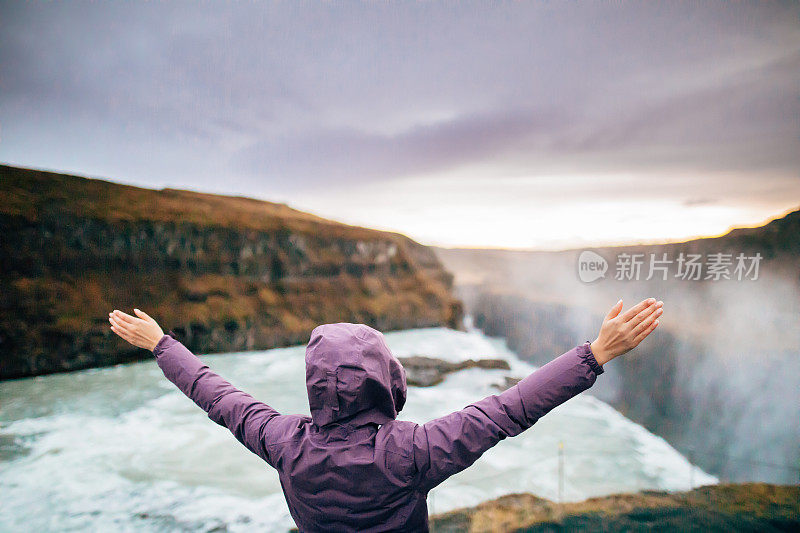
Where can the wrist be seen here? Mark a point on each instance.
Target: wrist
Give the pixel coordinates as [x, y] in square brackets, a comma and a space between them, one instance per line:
[154, 343]
[600, 354]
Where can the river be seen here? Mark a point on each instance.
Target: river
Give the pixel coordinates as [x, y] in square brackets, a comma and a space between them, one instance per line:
[121, 449]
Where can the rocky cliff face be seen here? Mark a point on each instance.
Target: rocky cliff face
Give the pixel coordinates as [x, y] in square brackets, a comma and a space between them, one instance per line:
[226, 274]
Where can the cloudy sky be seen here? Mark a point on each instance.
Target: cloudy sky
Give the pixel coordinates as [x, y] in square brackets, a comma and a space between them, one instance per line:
[525, 124]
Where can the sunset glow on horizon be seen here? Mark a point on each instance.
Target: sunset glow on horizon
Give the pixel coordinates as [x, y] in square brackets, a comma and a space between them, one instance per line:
[435, 212]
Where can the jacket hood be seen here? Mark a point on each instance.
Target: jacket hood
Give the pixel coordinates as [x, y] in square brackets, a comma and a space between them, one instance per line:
[352, 376]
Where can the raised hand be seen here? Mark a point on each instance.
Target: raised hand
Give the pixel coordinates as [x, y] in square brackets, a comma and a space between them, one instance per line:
[622, 332]
[143, 332]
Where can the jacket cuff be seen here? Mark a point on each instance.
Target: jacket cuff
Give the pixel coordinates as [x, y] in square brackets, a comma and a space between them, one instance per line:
[585, 353]
[166, 341]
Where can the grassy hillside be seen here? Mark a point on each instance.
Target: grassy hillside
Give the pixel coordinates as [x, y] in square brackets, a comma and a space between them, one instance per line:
[35, 195]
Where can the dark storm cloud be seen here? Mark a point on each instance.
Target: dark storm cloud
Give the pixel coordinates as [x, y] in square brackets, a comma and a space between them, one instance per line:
[282, 96]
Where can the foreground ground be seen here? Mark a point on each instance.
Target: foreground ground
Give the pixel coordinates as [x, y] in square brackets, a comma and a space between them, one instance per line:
[725, 507]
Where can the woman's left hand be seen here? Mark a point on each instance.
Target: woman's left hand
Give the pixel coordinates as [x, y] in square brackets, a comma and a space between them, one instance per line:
[143, 332]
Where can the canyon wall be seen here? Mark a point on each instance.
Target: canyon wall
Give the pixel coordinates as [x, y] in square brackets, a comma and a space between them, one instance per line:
[225, 274]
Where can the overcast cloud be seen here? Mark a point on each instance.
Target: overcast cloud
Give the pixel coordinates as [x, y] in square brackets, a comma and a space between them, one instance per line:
[345, 108]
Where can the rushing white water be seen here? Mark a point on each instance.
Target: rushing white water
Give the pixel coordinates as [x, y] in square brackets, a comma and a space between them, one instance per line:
[121, 449]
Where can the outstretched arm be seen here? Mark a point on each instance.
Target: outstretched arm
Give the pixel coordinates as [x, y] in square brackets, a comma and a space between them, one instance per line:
[449, 444]
[248, 419]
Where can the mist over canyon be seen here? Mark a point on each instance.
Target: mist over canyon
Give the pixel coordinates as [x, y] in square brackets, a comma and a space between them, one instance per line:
[719, 379]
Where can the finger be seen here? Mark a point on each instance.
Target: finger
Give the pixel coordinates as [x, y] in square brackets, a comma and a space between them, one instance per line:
[124, 317]
[141, 314]
[636, 309]
[115, 322]
[614, 310]
[122, 326]
[116, 331]
[647, 331]
[641, 336]
[647, 321]
[121, 333]
[131, 338]
[642, 315]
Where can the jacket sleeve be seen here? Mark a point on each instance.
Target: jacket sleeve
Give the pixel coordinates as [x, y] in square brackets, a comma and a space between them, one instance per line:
[249, 420]
[447, 445]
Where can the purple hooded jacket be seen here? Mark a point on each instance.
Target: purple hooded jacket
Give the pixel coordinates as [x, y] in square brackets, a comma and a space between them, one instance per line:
[351, 466]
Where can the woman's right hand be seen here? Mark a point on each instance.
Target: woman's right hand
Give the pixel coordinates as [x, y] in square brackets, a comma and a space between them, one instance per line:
[622, 332]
